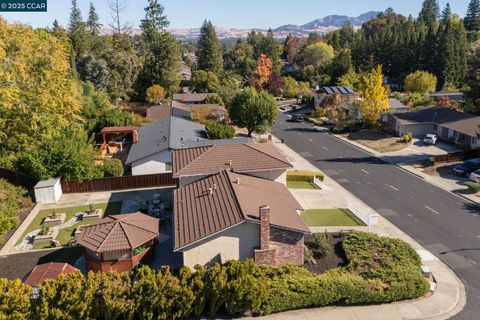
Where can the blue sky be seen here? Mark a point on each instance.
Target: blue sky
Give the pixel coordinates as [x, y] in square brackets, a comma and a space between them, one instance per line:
[230, 13]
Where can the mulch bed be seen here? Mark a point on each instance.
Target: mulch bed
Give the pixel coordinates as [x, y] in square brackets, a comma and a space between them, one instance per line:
[334, 259]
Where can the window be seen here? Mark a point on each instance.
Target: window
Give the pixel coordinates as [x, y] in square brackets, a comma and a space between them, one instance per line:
[435, 127]
[474, 140]
[168, 166]
[455, 134]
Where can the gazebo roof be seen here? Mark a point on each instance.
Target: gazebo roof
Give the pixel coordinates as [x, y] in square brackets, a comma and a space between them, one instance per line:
[47, 271]
[119, 232]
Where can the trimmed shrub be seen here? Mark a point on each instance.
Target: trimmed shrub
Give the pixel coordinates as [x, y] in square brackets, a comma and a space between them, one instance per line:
[217, 130]
[113, 168]
[304, 176]
[473, 187]
[407, 138]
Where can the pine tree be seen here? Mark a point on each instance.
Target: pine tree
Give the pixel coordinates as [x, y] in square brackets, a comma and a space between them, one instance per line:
[472, 18]
[77, 31]
[446, 13]
[93, 23]
[429, 13]
[154, 18]
[209, 50]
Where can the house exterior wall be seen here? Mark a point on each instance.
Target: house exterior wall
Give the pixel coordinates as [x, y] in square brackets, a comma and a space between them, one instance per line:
[236, 243]
[155, 163]
[418, 130]
[123, 265]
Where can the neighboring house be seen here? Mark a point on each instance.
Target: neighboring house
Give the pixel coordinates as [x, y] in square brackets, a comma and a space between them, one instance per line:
[153, 151]
[261, 160]
[391, 83]
[191, 98]
[119, 242]
[164, 111]
[218, 112]
[449, 124]
[230, 216]
[347, 95]
[452, 95]
[185, 72]
[395, 106]
[48, 271]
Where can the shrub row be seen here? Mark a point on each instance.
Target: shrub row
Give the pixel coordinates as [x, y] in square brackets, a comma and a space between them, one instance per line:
[217, 130]
[474, 187]
[304, 176]
[387, 271]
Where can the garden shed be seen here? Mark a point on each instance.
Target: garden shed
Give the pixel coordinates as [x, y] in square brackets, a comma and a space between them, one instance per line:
[48, 191]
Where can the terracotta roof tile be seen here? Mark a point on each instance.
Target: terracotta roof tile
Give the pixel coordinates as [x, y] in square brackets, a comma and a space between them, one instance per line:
[119, 232]
[217, 202]
[47, 271]
[237, 157]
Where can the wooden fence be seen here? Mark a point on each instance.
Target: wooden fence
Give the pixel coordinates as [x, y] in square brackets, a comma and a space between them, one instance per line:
[450, 157]
[18, 179]
[120, 183]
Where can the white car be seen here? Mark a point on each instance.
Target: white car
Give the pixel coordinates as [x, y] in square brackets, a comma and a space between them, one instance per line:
[430, 138]
[475, 176]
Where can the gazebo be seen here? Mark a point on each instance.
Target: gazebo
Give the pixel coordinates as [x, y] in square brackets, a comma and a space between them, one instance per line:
[118, 133]
[119, 242]
[47, 271]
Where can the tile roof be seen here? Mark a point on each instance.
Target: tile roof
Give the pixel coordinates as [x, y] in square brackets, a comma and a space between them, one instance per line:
[119, 232]
[188, 107]
[47, 271]
[166, 111]
[236, 157]
[199, 213]
[460, 121]
[190, 97]
[164, 134]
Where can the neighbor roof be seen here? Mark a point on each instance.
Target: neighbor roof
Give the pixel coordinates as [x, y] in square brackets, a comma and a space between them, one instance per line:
[165, 111]
[394, 104]
[190, 97]
[460, 121]
[119, 232]
[47, 271]
[124, 129]
[186, 107]
[338, 89]
[164, 134]
[240, 158]
[199, 214]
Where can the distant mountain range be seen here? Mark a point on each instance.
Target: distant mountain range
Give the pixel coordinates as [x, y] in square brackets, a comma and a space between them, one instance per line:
[321, 25]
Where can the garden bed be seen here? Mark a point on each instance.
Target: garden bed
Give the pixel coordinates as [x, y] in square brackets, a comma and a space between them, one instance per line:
[331, 218]
[380, 142]
[334, 258]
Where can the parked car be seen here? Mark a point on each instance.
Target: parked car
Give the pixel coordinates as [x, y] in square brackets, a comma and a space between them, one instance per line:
[430, 138]
[467, 167]
[297, 118]
[475, 176]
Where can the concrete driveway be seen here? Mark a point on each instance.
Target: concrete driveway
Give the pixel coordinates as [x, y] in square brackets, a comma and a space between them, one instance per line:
[418, 151]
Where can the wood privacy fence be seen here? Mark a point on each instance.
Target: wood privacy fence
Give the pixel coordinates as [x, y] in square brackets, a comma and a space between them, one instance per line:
[18, 179]
[120, 183]
[450, 157]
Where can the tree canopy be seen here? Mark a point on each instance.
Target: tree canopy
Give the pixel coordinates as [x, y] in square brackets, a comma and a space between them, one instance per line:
[209, 50]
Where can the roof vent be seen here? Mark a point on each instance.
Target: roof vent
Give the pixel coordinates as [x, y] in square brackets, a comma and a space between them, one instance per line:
[237, 181]
[229, 162]
[214, 186]
[210, 191]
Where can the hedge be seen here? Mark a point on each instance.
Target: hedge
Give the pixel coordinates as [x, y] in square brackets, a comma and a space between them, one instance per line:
[474, 187]
[304, 176]
[380, 270]
[217, 130]
[12, 200]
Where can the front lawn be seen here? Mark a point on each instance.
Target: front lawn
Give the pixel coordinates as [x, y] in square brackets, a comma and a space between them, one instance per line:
[380, 142]
[301, 185]
[330, 218]
[65, 235]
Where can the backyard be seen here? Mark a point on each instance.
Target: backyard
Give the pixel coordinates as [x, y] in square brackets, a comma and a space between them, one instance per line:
[380, 142]
[67, 234]
[330, 218]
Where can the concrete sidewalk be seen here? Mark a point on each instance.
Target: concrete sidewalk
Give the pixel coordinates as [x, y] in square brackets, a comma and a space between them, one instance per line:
[447, 300]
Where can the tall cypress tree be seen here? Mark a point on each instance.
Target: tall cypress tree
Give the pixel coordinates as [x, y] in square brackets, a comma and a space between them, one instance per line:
[93, 23]
[472, 18]
[429, 13]
[446, 13]
[209, 50]
[77, 31]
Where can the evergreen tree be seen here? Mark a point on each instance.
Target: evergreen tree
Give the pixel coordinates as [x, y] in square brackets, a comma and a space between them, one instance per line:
[77, 31]
[429, 13]
[209, 50]
[446, 13]
[341, 64]
[93, 23]
[162, 53]
[472, 18]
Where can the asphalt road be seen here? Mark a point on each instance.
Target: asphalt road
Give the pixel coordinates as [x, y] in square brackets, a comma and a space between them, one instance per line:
[445, 224]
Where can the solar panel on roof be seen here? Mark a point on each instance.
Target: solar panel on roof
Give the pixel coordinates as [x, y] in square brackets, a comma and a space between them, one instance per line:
[342, 90]
[335, 89]
[328, 89]
[349, 90]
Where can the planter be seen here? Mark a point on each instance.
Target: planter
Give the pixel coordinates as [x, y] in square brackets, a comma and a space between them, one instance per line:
[46, 237]
[96, 214]
[55, 220]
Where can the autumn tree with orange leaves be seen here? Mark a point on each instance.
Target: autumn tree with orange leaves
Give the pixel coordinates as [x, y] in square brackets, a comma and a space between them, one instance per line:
[262, 72]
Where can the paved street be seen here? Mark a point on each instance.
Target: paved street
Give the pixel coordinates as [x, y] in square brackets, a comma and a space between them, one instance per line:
[445, 224]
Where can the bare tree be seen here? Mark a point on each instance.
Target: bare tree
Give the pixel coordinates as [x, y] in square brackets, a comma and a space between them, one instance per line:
[117, 7]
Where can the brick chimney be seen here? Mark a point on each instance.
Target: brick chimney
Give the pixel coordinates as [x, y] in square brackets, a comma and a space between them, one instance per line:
[135, 136]
[264, 227]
